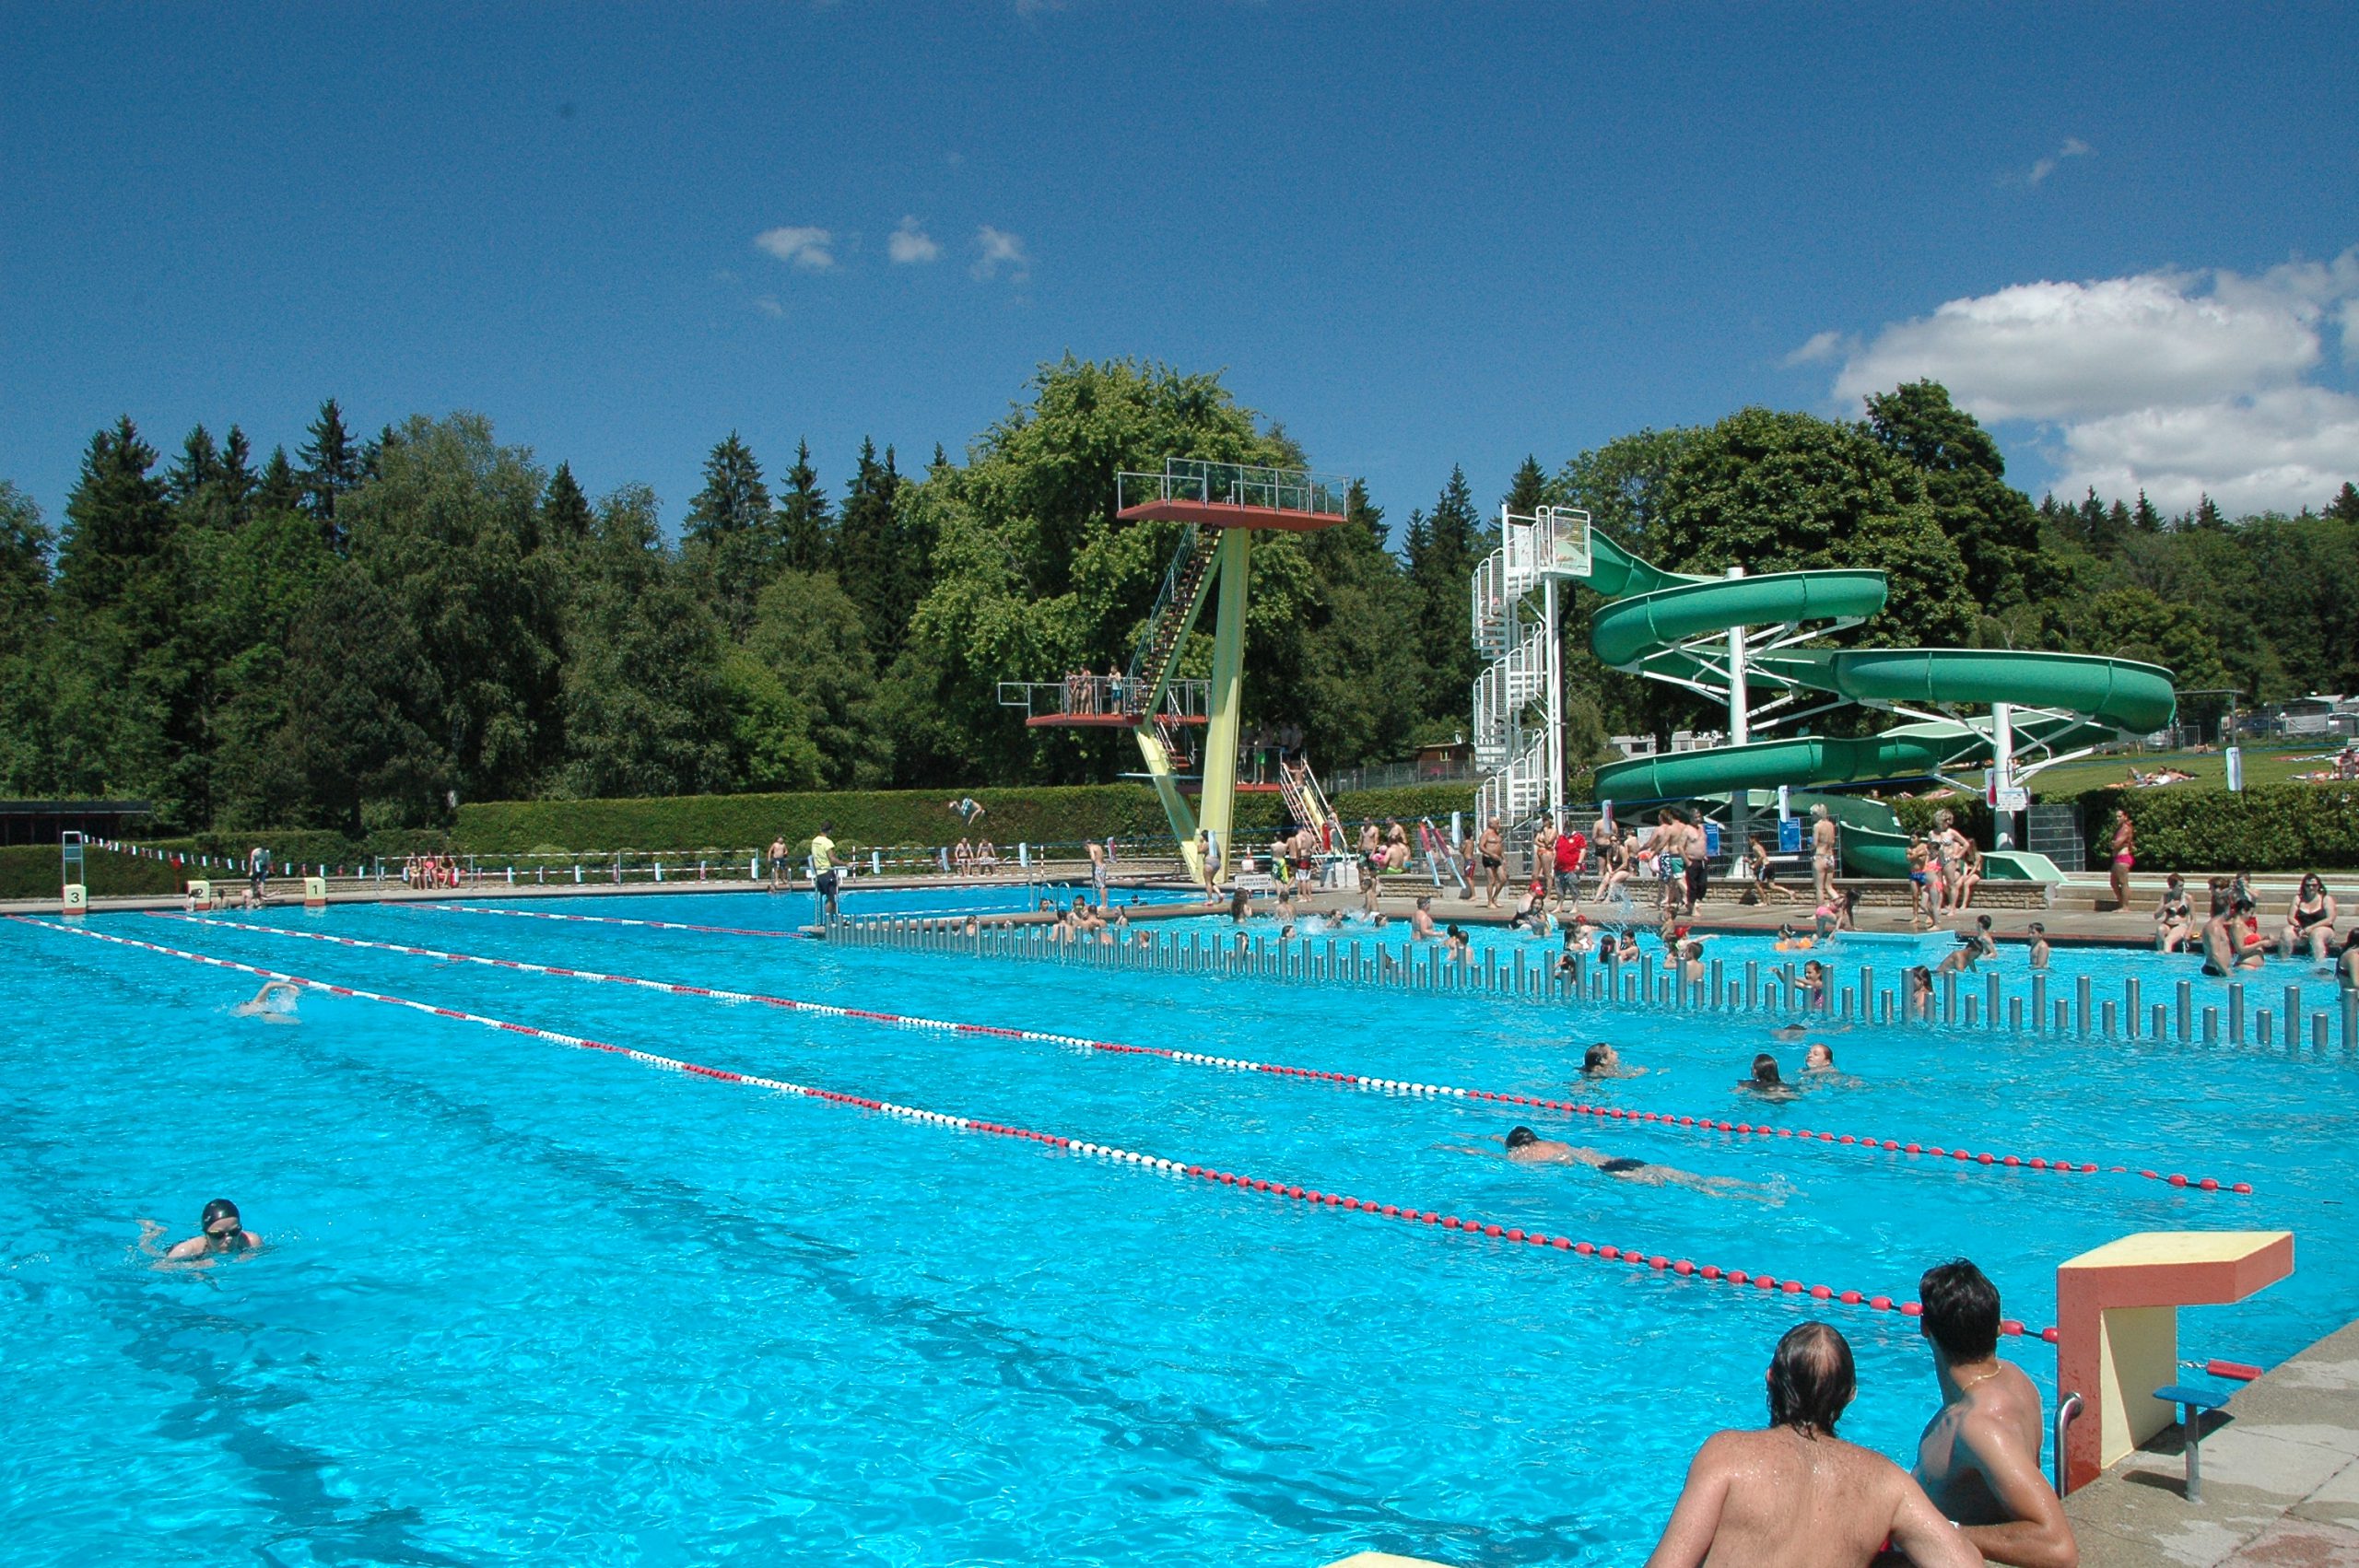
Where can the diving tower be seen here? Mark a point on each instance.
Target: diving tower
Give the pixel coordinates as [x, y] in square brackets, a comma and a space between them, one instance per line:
[1218, 507]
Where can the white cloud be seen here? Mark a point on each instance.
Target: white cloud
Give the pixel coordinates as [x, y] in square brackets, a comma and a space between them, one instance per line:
[1822, 345]
[2279, 450]
[768, 307]
[2177, 383]
[810, 248]
[2073, 148]
[997, 248]
[910, 244]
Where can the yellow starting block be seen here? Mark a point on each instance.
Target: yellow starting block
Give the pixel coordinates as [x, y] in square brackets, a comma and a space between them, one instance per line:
[2117, 1322]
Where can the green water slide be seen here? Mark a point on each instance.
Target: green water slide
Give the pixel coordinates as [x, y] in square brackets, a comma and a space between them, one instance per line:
[1651, 612]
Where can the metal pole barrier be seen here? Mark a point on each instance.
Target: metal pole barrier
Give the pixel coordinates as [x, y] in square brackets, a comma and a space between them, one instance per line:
[2130, 1006]
[2210, 1025]
[2015, 1014]
[1949, 997]
[2235, 1013]
[1720, 983]
[2162, 1026]
[2263, 1028]
[1990, 999]
[1752, 984]
[2081, 997]
[2185, 1008]
[2039, 1003]
[2110, 1021]
[2063, 1016]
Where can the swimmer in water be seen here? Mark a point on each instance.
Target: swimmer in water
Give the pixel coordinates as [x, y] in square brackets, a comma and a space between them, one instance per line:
[1525, 1147]
[221, 1232]
[1601, 1060]
[1765, 1081]
[1819, 1068]
[2039, 950]
[275, 1003]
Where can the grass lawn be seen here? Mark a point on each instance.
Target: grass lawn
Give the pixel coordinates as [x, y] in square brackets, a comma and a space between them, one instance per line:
[2276, 766]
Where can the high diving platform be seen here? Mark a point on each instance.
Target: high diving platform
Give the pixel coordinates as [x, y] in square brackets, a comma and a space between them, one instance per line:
[1187, 730]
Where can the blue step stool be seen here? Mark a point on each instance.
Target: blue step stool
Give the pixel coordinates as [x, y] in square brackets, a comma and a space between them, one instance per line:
[2193, 1401]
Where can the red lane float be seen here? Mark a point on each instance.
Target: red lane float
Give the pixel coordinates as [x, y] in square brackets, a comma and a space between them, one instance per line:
[607, 920]
[1491, 1230]
[1862, 1142]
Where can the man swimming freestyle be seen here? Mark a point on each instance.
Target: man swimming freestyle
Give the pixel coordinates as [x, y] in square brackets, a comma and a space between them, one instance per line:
[1525, 1147]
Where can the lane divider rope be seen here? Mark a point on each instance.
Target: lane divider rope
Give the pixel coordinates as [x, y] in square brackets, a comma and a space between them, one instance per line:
[1634, 1257]
[1866, 1143]
[607, 920]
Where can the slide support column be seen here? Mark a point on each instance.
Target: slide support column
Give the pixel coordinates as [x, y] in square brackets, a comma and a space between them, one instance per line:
[2002, 772]
[1740, 733]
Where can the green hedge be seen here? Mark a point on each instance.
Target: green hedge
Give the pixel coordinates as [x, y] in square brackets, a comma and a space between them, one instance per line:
[32, 871]
[2278, 827]
[1408, 802]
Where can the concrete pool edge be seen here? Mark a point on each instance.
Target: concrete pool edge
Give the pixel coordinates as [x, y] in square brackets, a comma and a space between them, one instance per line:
[2281, 1478]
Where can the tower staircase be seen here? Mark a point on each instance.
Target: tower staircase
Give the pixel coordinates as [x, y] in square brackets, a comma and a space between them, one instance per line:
[1158, 656]
[1519, 698]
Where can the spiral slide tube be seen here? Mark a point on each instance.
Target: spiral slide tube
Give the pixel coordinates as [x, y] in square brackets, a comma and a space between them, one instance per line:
[1651, 614]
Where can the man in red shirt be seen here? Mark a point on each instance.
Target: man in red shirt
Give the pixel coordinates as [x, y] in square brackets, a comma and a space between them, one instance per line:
[1572, 852]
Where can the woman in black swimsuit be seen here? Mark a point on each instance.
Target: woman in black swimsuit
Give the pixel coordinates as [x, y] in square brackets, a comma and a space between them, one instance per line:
[2310, 922]
[2174, 917]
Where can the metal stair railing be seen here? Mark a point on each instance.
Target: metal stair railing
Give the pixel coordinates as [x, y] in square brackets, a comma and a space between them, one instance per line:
[1175, 607]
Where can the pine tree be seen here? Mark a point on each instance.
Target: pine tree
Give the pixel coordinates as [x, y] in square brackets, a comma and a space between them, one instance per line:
[803, 520]
[194, 474]
[280, 488]
[732, 543]
[1529, 490]
[2345, 504]
[237, 481]
[116, 519]
[331, 467]
[2207, 515]
[2145, 518]
[565, 510]
[1443, 547]
[868, 551]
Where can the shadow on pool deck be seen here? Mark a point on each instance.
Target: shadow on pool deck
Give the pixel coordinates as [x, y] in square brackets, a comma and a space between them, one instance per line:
[2280, 1479]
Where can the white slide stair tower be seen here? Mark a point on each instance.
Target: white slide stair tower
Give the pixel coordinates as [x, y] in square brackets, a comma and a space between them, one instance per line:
[1519, 697]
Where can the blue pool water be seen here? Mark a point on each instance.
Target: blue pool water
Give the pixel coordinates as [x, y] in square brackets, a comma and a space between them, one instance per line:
[528, 1302]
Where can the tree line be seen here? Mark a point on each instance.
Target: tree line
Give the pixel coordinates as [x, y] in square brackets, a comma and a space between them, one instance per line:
[365, 632]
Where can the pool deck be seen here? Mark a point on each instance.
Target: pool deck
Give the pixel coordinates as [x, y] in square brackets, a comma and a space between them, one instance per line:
[2280, 1479]
[2072, 921]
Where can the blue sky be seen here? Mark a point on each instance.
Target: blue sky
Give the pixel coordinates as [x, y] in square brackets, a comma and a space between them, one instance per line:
[1418, 235]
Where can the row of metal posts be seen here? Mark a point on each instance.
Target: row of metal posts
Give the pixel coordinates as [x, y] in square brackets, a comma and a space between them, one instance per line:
[1777, 988]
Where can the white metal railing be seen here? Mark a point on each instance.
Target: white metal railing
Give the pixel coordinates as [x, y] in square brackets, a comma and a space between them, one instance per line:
[1105, 695]
[1235, 484]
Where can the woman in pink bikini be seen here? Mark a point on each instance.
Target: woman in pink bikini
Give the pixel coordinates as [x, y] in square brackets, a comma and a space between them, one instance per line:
[2125, 846]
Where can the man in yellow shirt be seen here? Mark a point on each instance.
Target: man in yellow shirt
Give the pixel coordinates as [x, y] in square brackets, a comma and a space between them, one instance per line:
[823, 865]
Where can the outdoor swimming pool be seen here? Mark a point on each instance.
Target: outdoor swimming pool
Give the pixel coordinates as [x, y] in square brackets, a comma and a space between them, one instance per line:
[523, 1301]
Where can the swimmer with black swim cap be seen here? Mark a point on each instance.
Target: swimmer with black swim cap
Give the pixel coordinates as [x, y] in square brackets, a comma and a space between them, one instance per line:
[221, 1231]
[1525, 1147]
